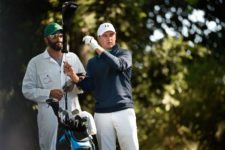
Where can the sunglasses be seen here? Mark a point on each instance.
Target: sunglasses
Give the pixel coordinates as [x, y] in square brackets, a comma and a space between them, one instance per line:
[55, 36]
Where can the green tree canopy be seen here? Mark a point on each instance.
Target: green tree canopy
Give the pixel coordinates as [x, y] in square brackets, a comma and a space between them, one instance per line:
[178, 66]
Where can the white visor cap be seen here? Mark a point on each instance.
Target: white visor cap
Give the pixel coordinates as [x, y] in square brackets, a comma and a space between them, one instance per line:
[104, 27]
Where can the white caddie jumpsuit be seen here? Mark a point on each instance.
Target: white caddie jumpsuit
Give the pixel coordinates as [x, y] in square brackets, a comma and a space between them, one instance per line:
[42, 75]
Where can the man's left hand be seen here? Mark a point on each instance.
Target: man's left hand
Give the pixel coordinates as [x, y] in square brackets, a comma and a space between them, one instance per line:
[91, 41]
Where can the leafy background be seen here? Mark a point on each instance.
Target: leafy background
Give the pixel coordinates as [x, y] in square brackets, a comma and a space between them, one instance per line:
[178, 67]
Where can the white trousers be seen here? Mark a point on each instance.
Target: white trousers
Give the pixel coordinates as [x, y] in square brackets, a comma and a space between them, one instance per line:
[121, 125]
[47, 128]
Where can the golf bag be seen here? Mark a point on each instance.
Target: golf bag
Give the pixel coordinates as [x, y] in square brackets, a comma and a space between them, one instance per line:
[77, 130]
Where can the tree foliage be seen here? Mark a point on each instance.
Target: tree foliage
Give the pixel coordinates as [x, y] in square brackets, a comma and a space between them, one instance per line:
[178, 66]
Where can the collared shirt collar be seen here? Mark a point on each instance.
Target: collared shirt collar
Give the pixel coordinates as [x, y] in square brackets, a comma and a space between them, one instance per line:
[114, 48]
[46, 54]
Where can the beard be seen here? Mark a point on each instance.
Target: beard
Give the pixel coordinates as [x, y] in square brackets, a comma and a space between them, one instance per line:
[57, 46]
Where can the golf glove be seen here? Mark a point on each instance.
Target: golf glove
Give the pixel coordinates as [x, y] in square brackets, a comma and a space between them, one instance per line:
[91, 41]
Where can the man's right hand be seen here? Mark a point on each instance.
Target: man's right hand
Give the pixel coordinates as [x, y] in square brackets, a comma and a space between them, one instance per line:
[69, 71]
[57, 94]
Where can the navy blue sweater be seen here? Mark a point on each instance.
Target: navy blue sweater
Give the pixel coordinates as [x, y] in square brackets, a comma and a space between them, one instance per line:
[109, 77]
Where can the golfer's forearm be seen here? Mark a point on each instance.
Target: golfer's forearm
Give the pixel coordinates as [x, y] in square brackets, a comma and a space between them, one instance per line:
[74, 78]
[99, 50]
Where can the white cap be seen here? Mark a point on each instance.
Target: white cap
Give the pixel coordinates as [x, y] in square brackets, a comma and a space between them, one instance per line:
[105, 27]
